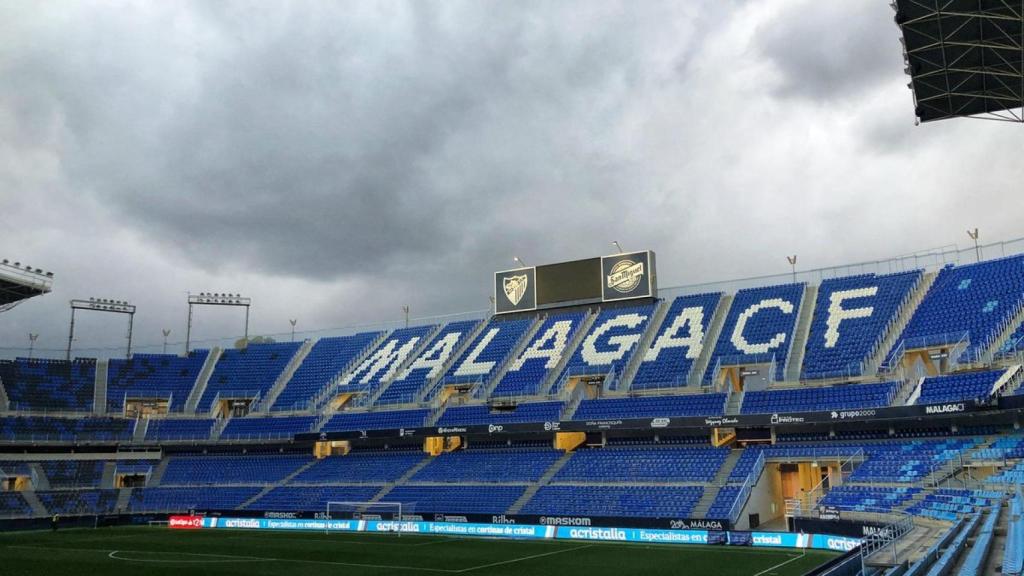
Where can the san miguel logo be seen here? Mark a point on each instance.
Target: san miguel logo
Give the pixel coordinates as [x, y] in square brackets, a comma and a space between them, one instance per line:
[515, 288]
[625, 276]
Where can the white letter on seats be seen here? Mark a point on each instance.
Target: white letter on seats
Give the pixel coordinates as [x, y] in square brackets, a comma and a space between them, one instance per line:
[836, 312]
[434, 358]
[623, 342]
[469, 366]
[558, 335]
[740, 342]
[694, 342]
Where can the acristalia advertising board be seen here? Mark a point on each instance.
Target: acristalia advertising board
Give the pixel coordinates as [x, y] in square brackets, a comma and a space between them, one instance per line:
[525, 531]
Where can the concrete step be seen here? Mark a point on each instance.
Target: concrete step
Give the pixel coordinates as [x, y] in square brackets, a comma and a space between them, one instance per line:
[283, 482]
[798, 346]
[99, 391]
[285, 376]
[141, 427]
[202, 380]
[107, 479]
[544, 480]
[42, 482]
[874, 362]
[158, 472]
[38, 510]
[124, 499]
[626, 381]
[696, 376]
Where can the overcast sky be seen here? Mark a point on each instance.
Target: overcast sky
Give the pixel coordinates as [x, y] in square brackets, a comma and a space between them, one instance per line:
[337, 160]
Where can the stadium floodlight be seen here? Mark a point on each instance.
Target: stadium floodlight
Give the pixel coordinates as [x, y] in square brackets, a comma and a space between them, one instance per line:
[216, 299]
[20, 282]
[792, 263]
[102, 305]
[519, 261]
[977, 249]
[618, 246]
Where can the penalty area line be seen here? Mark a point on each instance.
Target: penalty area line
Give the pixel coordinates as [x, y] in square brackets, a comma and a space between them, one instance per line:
[781, 564]
[523, 559]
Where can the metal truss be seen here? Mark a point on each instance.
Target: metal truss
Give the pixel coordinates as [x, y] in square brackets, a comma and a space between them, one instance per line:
[965, 57]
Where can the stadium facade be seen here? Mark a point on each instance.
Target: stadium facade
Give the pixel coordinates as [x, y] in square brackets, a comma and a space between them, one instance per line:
[877, 402]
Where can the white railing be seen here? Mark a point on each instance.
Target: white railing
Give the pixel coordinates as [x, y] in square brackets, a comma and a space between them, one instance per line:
[746, 488]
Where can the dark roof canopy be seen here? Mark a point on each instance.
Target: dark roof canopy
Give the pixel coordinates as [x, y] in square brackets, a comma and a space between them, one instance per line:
[15, 286]
[965, 57]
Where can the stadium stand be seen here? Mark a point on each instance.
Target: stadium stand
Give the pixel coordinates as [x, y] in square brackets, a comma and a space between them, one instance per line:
[381, 420]
[486, 354]
[759, 327]
[85, 429]
[680, 339]
[328, 358]
[183, 499]
[851, 318]
[608, 345]
[226, 470]
[846, 397]
[651, 406]
[382, 365]
[73, 473]
[153, 376]
[958, 387]
[246, 373]
[290, 498]
[476, 465]
[484, 414]
[527, 372]
[53, 385]
[272, 427]
[610, 501]
[643, 464]
[171, 429]
[366, 467]
[974, 300]
[465, 499]
[408, 384]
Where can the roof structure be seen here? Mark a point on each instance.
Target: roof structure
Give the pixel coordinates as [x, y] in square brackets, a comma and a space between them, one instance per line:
[965, 57]
[18, 283]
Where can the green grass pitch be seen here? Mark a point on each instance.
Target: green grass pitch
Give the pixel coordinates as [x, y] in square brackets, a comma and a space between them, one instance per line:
[143, 550]
[160, 550]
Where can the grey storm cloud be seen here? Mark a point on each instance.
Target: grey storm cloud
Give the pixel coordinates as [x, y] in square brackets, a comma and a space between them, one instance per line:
[337, 160]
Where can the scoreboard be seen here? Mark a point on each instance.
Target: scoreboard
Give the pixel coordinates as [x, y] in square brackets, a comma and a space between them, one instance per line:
[602, 279]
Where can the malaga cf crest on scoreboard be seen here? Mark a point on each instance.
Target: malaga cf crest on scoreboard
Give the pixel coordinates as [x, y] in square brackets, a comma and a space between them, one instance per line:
[591, 280]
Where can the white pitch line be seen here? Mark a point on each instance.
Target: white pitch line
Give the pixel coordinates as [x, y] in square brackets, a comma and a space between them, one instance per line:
[780, 565]
[250, 558]
[514, 560]
[214, 558]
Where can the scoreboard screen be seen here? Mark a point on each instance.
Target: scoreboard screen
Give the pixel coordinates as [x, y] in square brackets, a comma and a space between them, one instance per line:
[604, 279]
[568, 281]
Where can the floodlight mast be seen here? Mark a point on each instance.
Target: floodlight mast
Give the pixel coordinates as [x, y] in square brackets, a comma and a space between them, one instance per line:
[102, 305]
[216, 299]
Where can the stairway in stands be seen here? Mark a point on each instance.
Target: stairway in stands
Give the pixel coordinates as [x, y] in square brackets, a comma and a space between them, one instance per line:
[99, 391]
[874, 363]
[798, 346]
[33, 501]
[387, 487]
[697, 370]
[282, 482]
[518, 349]
[158, 472]
[202, 380]
[124, 499]
[626, 380]
[700, 510]
[285, 376]
[544, 480]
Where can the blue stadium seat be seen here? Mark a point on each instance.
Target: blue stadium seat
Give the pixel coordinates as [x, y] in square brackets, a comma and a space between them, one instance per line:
[824, 398]
[651, 406]
[328, 358]
[153, 376]
[407, 385]
[484, 414]
[247, 373]
[679, 342]
[958, 387]
[526, 373]
[608, 345]
[49, 384]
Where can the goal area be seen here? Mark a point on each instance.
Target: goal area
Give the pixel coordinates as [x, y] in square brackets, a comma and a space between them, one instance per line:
[344, 510]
